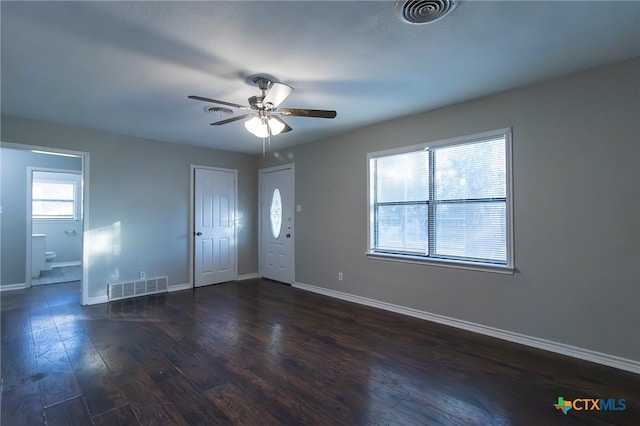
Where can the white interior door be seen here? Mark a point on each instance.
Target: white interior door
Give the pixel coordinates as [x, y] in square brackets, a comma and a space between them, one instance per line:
[277, 224]
[214, 226]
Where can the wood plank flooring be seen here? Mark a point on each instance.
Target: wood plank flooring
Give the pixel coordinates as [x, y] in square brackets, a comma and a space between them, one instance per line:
[262, 353]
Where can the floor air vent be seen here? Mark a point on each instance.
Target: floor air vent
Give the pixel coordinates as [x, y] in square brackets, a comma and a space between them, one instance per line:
[137, 288]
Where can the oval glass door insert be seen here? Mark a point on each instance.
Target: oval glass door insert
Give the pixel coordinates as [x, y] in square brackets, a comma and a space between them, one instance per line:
[276, 213]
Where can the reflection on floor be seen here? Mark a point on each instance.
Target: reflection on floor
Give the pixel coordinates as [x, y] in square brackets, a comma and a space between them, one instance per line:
[61, 274]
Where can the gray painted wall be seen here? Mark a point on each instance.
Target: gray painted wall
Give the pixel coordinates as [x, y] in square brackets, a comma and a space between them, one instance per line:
[139, 194]
[576, 162]
[13, 181]
[576, 210]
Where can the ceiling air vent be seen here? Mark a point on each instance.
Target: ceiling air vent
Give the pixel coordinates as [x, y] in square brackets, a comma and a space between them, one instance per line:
[218, 110]
[423, 11]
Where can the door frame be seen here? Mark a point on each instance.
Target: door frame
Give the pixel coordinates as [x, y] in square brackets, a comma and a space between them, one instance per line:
[84, 292]
[192, 200]
[30, 170]
[261, 198]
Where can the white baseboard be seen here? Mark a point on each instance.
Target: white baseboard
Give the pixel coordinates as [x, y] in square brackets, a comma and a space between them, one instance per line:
[247, 276]
[560, 348]
[97, 300]
[35, 284]
[179, 287]
[8, 287]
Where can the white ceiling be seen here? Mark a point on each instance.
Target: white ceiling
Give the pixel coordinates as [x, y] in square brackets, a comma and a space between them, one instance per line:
[128, 67]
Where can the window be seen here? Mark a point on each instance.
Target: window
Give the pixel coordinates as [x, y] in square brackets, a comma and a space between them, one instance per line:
[275, 213]
[447, 203]
[55, 195]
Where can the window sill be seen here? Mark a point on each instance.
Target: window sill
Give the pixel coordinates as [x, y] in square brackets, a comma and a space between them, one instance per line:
[55, 220]
[472, 266]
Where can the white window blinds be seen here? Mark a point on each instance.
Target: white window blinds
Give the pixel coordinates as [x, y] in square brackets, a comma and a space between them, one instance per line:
[447, 202]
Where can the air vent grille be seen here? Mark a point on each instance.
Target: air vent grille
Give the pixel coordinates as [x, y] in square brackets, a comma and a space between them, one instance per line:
[126, 290]
[217, 110]
[423, 11]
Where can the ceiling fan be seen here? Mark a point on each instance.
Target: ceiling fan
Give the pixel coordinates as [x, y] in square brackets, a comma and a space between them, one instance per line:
[266, 116]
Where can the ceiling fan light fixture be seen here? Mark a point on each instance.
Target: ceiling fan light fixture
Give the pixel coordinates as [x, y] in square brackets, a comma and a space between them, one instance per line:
[276, 126]
[261, 127]
[257, 127]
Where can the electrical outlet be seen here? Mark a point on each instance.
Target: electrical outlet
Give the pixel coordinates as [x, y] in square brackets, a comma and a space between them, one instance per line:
[339, 276]
[143, 275]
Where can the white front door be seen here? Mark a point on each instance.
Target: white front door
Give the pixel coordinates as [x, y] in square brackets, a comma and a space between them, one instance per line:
[214, 226]
[277, 223]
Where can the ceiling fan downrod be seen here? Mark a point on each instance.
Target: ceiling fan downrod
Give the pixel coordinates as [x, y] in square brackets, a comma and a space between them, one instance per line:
[263, 83]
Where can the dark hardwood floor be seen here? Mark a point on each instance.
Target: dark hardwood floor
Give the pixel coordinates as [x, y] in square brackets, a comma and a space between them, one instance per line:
[262, 353]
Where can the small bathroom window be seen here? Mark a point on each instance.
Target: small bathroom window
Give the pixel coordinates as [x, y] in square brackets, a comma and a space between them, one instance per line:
[55, 196]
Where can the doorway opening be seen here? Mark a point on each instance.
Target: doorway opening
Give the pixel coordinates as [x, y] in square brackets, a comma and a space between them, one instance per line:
[53, 169]
[55, 205]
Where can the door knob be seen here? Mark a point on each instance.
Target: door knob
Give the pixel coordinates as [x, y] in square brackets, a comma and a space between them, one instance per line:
[198, 233]
[288, 235]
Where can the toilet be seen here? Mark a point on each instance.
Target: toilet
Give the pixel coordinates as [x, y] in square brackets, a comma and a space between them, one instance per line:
[41, 260]
[49, 257]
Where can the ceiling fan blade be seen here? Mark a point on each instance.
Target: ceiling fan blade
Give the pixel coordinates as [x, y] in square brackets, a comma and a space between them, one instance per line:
[231, 120]
[317, 113]
[276, 94]
[287, 128]
[215, 101]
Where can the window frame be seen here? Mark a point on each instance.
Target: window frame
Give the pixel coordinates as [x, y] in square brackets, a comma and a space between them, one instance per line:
[58, 177]
[397, 256]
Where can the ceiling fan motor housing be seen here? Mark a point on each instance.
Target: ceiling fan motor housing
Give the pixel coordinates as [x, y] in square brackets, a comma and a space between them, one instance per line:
[255, 102]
